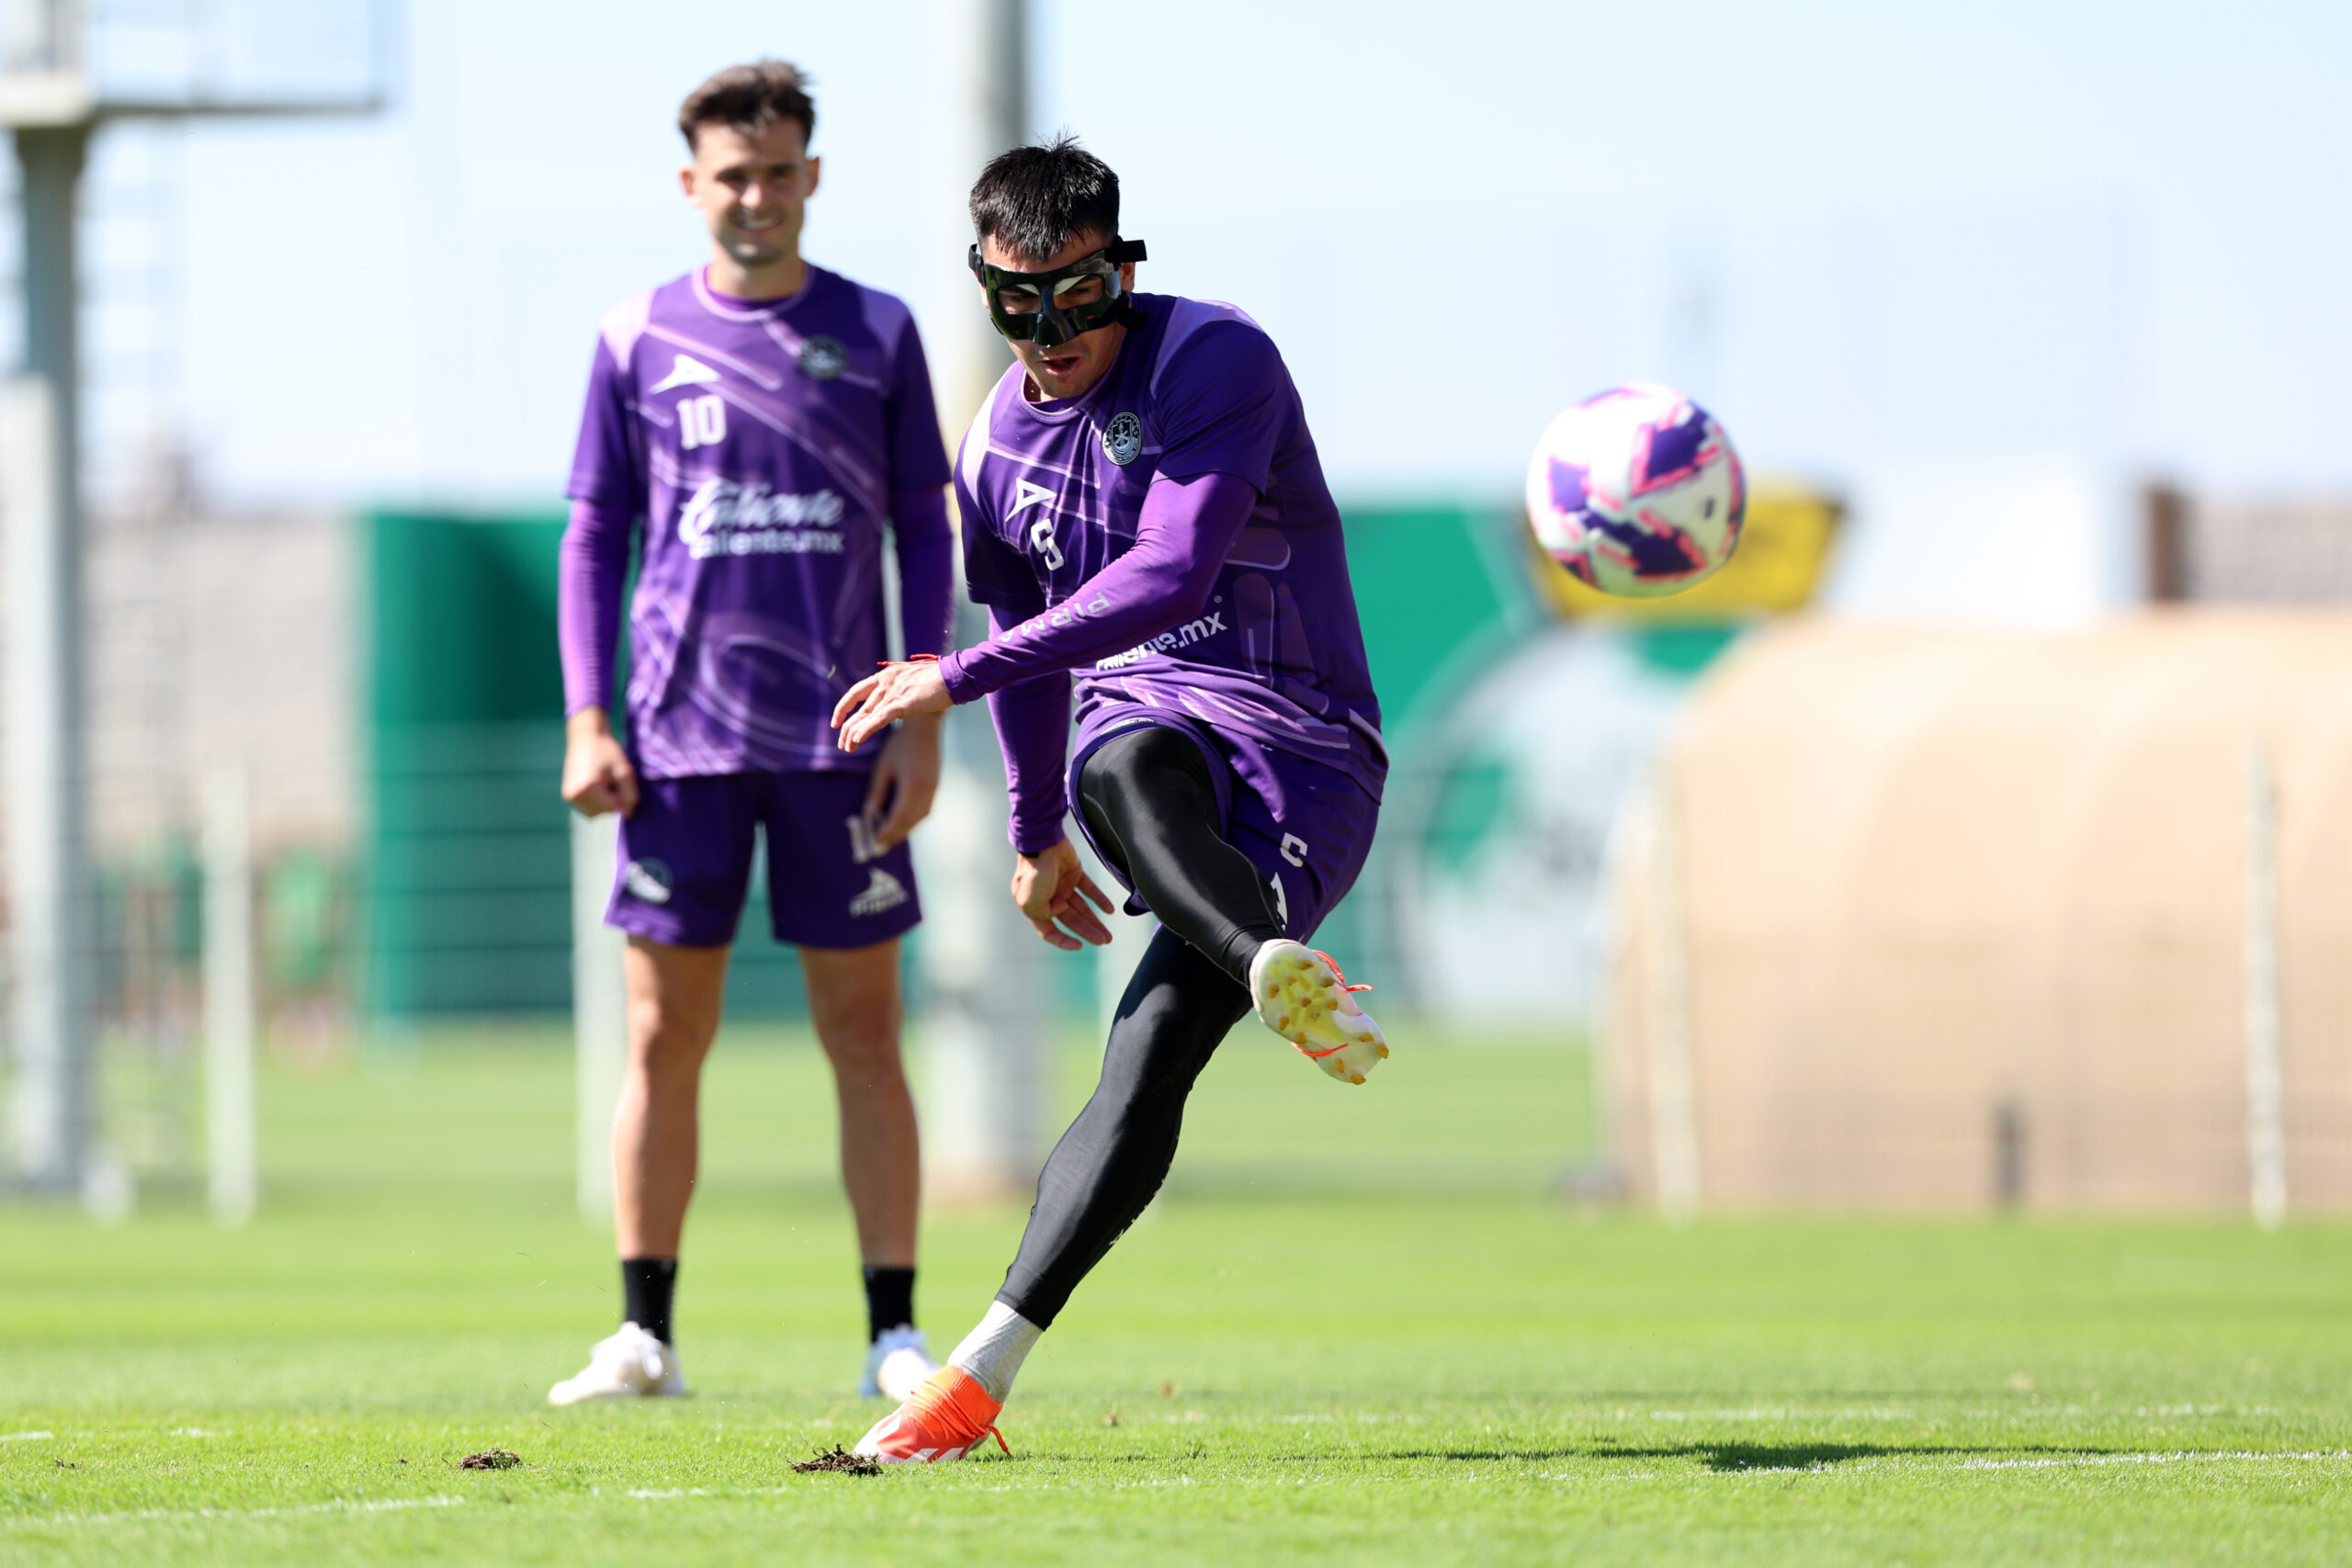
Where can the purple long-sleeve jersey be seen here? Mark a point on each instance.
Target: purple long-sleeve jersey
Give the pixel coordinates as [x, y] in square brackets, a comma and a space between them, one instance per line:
[1225, 600]
[756, 449]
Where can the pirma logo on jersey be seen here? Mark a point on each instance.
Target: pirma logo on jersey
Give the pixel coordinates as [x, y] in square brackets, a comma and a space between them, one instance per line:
[1123, 438]
[724, 518]
[823, 358]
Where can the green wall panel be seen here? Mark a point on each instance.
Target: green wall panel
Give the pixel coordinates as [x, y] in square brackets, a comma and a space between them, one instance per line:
[468, 873]
[467, 882]
[1440, 589]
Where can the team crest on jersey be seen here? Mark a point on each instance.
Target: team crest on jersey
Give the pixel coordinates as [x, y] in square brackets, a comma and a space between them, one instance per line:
[823, 358]
[1123, 438]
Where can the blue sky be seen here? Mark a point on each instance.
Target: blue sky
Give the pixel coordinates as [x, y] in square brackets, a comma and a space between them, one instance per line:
[2116, 236]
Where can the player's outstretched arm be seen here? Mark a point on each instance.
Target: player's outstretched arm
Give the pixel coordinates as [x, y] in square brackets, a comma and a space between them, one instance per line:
[1052, 889]
[1187, 529]
[900, 689]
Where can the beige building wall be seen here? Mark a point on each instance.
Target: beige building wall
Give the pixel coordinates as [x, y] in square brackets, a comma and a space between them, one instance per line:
[213, 639]
[1931, 885]
[220, 640]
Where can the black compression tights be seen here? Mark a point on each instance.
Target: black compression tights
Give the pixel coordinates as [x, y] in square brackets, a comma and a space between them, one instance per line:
[1148, 800]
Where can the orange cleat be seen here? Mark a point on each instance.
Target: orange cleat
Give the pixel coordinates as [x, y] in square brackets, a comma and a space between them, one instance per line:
[946, 1414]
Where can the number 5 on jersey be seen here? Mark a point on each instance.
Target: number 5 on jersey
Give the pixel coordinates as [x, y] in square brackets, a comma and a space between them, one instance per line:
[1041, 539]
[702, 421]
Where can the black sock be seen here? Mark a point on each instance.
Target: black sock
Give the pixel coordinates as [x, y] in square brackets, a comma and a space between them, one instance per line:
[648, 1287]
[889, 1301]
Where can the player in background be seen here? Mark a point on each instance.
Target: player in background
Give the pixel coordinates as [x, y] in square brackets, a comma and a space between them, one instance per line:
[751, 427]
[1143, 506]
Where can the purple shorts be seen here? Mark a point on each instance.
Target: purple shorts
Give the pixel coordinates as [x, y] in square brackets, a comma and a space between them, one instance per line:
[1304, 825]
[685, 862]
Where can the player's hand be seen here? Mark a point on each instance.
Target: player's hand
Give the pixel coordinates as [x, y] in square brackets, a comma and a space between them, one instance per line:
[597, 774]
[1052, 885]
[896, 691]
[905, 777]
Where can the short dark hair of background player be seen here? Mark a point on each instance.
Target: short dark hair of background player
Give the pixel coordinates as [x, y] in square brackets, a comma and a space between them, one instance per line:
[752, 97]
[1034, 200]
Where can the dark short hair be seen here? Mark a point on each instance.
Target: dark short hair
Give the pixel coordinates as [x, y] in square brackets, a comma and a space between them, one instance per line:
[750, 98]
[1033, 199]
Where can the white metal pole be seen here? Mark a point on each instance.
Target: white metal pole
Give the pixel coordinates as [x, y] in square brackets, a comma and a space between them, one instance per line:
[599, 1011]
[976, 55]
[49, 956]
[985, 1027]
[1674, 1109]
[52, 928]
[984, 1033]
[232, 1185]
[2265, 1131]
[51, 110]
[963, 1129]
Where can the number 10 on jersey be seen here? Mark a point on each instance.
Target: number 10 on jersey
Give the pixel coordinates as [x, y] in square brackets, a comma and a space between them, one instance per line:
[702, 421]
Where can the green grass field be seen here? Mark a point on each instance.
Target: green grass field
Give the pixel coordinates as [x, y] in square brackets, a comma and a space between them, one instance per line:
[1355, 1331]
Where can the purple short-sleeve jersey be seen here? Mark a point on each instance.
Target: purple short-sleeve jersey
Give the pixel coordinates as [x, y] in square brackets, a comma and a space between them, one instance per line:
[760, 442]
[1052, 493]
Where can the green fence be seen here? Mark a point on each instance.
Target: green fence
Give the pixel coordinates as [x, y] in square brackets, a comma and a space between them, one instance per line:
[467, 869]
[1443, 591]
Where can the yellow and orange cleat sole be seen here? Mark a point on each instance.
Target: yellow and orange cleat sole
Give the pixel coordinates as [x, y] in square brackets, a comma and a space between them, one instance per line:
[1302, 995]
[943, 1419]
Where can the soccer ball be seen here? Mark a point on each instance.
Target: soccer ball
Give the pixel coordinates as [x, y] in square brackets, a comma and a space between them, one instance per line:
[1636, 492]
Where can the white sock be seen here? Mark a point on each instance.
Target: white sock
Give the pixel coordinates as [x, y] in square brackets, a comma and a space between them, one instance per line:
[993, 1352]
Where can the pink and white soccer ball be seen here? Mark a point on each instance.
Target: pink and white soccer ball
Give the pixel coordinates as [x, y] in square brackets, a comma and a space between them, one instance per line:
[1636, 492]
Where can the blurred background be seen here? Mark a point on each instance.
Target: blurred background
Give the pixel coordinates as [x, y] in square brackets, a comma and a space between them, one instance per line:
[1982, 837]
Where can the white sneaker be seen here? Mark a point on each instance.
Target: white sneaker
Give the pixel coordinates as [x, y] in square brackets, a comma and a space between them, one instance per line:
[631, 1364]
[1301, 996]
[896, 1363]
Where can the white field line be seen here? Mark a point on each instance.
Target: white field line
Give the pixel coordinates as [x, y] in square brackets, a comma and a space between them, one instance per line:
[1782, 1414]
[25, 1437]
[382, 1505]
[2183, 1457]
[2069, 1461]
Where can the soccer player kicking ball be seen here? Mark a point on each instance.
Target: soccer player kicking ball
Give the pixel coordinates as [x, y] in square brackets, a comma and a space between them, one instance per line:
[1143, 507]
[752, 425]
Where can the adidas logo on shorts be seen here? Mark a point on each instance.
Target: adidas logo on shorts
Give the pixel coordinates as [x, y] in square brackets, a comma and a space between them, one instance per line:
[885, 892]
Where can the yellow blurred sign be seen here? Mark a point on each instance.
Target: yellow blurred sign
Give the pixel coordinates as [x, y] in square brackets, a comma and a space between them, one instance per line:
[1784, 545]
